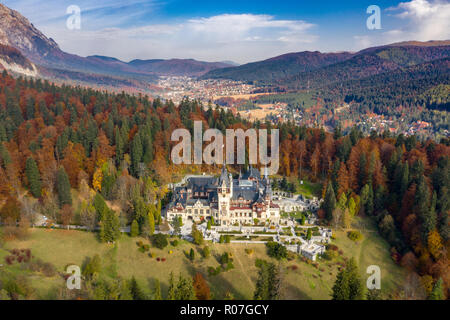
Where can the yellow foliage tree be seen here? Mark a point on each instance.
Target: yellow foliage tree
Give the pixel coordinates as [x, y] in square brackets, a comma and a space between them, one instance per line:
[97, 179]
[435, 244]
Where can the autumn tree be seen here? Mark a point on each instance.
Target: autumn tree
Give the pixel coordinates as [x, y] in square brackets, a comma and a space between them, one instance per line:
[66, 215]
[202, 291]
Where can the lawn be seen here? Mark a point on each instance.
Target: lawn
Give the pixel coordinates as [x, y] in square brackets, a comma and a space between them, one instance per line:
[309, 189]
[372, 250]
[301, 280]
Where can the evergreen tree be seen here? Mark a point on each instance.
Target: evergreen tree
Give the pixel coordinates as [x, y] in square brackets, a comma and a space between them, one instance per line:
[100, 206]
[157, 290]
[184, 289]
[421, 203]
[196, 235]
[136, 154]
[134, 229]
[110, 227]
[63, 187]
[348, 284]
[329, 203]
[171, 295]
[136, 291]
[34, 178]
[268, 283]
[151, 223]
[430, 217]
[192, 254]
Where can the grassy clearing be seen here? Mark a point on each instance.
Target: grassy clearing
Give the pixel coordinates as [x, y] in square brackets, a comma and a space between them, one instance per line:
[302, 280]
[372, 250]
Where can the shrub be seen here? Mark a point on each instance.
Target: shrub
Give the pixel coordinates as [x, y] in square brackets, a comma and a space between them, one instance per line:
[175, 243]
[332, 247]
[206, 252]
[355, 236]
[159, 240]
[276, 250]
[214, 271]
[249, 251]
[139, 243]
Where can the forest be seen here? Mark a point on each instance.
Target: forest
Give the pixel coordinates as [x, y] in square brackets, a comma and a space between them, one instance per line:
[102, 160]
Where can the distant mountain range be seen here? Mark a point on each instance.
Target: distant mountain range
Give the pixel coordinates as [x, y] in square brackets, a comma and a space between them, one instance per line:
[17, 32]
[26, 50]
[312, 69]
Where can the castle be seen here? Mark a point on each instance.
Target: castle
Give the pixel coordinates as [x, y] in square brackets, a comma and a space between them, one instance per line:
[229, 201]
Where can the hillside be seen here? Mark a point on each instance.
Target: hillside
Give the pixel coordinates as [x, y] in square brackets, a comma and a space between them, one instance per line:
[177, 67]
[12, 60]
[367, 63]
[278, 67]
[18, 32]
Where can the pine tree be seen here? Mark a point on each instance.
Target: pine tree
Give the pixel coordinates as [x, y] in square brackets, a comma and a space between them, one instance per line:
[184, 289]
[329, 203]
[136, 154]
[151, 223]
[34, 178]
[63, 187]
[196, 235]
[136, 291]
[100, 206]
[348, 284]
[171, 295]
[134, 230]
[157, 290]
[192, 254]
[308, 234]
[110, 227]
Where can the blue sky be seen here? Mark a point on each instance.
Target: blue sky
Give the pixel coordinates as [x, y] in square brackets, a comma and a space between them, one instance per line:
[240, 31]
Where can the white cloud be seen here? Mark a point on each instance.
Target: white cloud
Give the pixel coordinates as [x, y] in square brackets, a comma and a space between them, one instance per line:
[426, 20]
[421, 20]
[238, 37]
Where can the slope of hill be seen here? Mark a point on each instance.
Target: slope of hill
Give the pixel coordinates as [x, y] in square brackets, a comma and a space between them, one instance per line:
[279, 67]
[177, 67]
[425, 84]
[366, 63]
[16, 31]
[12, 60]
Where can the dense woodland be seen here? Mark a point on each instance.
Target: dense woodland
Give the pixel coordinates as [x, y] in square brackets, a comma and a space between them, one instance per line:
[102, 160]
